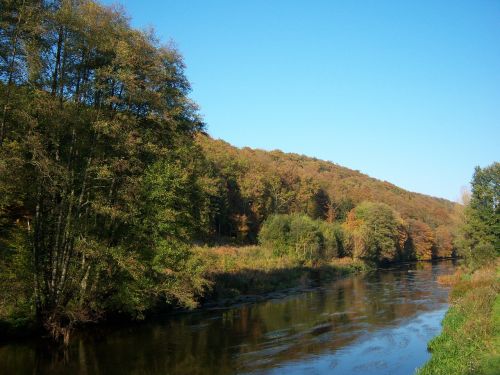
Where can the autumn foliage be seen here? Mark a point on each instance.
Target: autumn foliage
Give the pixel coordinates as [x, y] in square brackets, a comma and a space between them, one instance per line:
[377, 220]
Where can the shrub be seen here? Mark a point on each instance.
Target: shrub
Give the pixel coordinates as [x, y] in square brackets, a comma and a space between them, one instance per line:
[306, 238]
[332, 240]
[482, 254]
[301, 237]
[275, 233]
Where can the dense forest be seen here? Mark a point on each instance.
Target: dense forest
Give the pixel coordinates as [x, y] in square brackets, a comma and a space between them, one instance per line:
[252, 186]
[256, 183]
[108, 179]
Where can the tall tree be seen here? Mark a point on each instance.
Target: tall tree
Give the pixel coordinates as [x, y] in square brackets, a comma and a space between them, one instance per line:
[97, 140]
[481, 227]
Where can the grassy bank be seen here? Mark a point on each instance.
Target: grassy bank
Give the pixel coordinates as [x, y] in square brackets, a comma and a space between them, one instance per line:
[250, 270]
[470, 340]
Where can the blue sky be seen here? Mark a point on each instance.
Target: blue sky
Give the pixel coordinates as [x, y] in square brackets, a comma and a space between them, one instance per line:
[405, 91]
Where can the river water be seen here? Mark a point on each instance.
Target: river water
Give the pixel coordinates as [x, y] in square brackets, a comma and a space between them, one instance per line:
[376, 323]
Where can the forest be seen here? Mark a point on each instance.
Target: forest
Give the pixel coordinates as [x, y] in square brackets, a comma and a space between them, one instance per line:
[255, 189]
[109, 181]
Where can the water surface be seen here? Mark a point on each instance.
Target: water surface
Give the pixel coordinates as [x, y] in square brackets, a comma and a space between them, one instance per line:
[377, 323]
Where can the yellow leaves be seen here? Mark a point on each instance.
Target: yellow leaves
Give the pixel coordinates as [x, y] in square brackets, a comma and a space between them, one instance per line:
[444, 241]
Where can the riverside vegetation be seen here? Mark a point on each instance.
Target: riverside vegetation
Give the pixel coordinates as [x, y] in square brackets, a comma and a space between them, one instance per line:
[470, 340]
[114, 200]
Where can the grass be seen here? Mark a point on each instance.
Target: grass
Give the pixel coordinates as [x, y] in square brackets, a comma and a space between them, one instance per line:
[470, 339]
[253, 270]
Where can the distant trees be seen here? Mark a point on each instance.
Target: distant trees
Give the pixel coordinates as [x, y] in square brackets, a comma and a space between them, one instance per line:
[423, 240]
[256, 184]
[444, 242]
[375, 220]
[372, 231]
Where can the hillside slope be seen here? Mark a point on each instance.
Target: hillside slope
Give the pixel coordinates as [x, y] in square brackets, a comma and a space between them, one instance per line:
[252, 184]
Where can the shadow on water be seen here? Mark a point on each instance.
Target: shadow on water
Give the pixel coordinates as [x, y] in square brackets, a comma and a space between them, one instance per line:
[375, 323]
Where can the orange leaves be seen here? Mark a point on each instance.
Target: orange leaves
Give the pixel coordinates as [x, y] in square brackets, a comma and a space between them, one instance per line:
[444, 242]
[423, 239]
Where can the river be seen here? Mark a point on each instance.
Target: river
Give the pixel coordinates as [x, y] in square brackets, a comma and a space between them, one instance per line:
[375, 323]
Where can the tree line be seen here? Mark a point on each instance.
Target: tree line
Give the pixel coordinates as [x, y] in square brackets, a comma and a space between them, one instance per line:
[372, 231]
[257, 189]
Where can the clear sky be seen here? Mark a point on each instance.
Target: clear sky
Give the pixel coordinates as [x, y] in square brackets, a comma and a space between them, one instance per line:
[405, 91]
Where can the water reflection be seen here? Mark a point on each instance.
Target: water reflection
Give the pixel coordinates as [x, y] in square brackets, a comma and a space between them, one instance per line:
[376, 323]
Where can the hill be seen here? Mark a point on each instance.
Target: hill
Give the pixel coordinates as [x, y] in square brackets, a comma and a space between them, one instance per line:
[251, 184]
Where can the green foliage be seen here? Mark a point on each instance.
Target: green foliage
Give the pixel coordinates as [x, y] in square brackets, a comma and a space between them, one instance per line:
[470, 341]
[305, 238]
[373, 232]
[301, 237]
[100, 188]
[333, 238]
[483, 253]
[479, 235]
[275, 234]
[484, 212]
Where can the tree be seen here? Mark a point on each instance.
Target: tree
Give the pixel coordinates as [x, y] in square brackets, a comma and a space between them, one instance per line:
[372, 232]
[484, 213]
[444, 242]
[333, 238]
[264, 183]
[275, 234]
[423, 239]
[306, 238]
[480, 230]
[300, 237]
[97, 162]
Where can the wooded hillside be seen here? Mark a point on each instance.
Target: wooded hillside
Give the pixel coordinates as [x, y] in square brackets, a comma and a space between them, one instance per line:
[252, 184]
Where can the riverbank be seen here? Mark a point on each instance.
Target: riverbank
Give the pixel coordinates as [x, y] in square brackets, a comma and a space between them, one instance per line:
[237, 274]
[249, 273]
[470, 339]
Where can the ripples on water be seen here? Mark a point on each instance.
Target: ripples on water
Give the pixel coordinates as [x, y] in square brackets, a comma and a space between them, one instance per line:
[378, 323]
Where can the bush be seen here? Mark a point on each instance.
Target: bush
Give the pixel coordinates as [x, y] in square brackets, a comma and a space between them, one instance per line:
[275, 234]
[482, 254]
[306, 238]
[301, 237]
[332, 240]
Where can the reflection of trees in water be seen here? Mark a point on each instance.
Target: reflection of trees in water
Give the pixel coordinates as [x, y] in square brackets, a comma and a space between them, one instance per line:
[253, 336]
